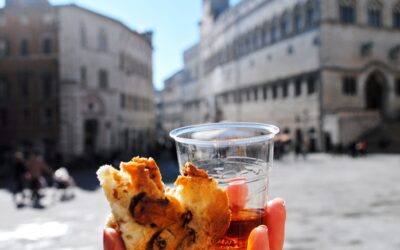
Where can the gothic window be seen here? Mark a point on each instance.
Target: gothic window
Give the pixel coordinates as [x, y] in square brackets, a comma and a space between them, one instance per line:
[274, 32]
[284, 25]
[297, 19]
[102, 40]
[265, 35]
[347, 11]
[374, 11]
[311, 13]
[24, 47]
[396, 16]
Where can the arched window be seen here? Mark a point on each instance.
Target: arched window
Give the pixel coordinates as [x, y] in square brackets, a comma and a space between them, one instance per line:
[265, 34]
[297, 18]
[311, 13]
[274, 31]
[396, 16]
[374, 11]
[284, 24]
[347, 11]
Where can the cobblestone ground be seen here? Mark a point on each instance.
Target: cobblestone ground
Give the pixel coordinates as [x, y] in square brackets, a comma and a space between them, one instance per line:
[332, 203]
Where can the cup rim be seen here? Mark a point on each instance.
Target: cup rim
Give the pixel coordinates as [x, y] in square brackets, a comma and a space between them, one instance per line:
[271, 129]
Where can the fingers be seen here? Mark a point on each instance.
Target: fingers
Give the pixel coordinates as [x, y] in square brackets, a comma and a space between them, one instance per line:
[112, 240]
[258, 239]
[237, 192]
[275, 218]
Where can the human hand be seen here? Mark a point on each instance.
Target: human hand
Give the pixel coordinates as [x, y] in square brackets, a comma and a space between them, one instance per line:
[269, 237]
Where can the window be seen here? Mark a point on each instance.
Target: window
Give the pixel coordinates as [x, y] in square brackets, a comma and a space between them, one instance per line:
[349, 85]
[396, 16]
[284, 90]
[47, 86]
[347, 11]
[297, 87]
[311, 85]
[3, 117]
[265, 35]
[274, 92]
[4, 90]
[248, 95]
[4, 47]
[284, 26]
[273, 33]
[24, 85]
[47, 46]
[255, 92]
[297, 22]
[397, 86]
[48, 117]
[83, 76]
[310, 13]
[24, 47]
[265, 93]
[26, 115]
[103, 79]
[83, 36]
[102, 43]
[122, 101]
[374, 13]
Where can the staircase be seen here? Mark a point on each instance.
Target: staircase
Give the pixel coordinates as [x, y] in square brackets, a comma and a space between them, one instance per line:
[385, 138]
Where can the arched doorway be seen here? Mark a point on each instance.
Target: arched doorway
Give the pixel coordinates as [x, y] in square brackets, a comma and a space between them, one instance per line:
[375, 91]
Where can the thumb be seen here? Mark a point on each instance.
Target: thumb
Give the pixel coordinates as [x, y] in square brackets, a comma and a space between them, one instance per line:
[112, 240]
[258, 239]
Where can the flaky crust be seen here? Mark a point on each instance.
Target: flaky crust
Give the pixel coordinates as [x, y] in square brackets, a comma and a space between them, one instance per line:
[193, 215]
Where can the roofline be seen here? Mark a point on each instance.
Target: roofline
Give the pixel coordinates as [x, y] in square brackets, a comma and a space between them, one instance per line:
[108, 18]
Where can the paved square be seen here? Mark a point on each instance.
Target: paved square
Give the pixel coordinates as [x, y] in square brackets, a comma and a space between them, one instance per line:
[333, 202]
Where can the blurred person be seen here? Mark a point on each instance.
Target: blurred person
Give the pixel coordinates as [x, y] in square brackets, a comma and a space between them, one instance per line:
[37, 168]
[21, 176]
[265, 237]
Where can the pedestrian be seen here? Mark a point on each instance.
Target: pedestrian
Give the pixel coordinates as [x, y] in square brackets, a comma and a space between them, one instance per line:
[37, 168]
[21, 176]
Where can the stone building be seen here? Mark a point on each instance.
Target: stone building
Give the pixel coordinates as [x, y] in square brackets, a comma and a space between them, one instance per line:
[180, 98]
[325, 72]
[72, 81]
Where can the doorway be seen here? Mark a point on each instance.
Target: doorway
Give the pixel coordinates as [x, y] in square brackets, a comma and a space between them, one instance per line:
[375, 91]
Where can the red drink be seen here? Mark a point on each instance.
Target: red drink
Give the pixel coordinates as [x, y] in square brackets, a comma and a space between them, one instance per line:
[242, 223]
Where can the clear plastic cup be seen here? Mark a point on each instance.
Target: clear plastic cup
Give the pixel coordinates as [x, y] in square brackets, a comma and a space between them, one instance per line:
[239, 156]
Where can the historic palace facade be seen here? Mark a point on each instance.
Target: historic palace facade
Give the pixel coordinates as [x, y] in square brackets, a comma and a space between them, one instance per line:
[323, 71]
[73, 82]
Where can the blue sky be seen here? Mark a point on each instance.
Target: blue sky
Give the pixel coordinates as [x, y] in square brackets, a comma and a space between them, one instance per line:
[174, 22]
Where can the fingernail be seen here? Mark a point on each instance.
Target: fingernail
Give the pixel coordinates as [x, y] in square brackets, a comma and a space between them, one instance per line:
[263, 226]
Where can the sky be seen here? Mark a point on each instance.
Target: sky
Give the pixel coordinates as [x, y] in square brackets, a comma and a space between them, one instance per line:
[174, 23]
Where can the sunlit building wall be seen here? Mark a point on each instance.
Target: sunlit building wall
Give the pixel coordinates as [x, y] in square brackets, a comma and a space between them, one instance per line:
[325, 72]
[74, 82]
